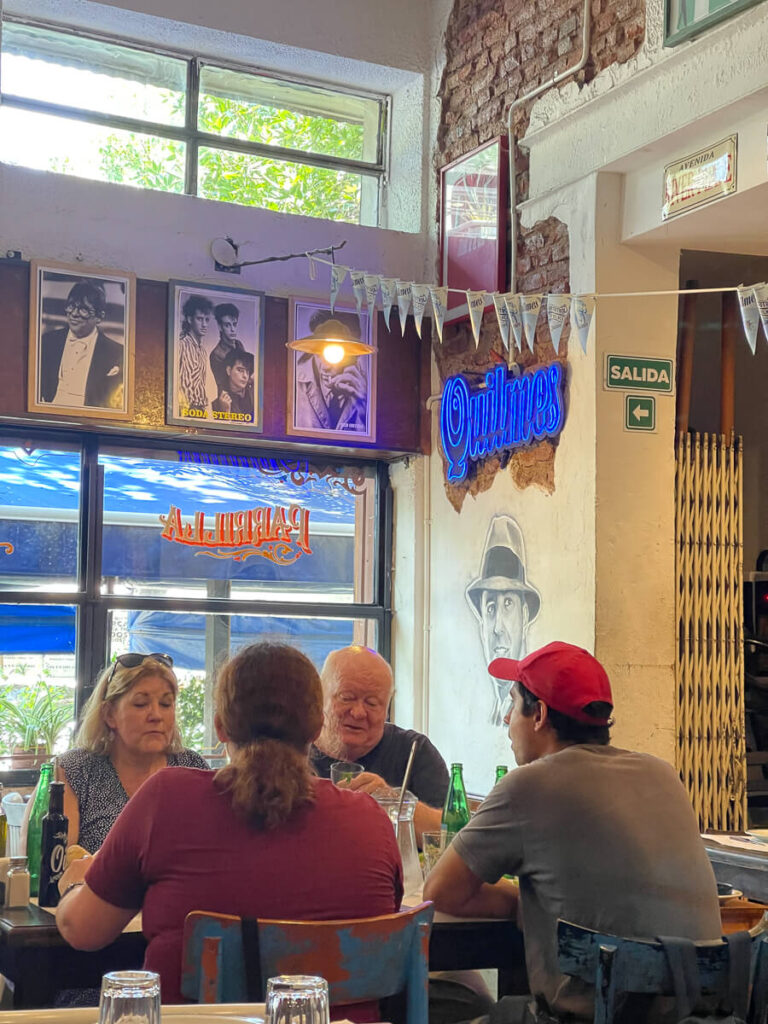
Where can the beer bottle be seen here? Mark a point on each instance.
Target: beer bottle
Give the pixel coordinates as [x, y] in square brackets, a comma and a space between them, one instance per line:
[3, 827]
[53, 848]
[501, 771]
[35, 827]
[455, 809]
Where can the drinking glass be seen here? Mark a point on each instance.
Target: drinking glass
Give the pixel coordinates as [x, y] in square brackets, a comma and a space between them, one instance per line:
[343, 771]
[130, 997]
[432, 846]
[297, 999]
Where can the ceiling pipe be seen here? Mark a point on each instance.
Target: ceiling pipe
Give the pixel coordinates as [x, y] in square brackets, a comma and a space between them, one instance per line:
[586, 30]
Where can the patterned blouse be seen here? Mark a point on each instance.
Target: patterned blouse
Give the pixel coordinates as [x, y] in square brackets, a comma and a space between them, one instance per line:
[193, 371]
[100, 794]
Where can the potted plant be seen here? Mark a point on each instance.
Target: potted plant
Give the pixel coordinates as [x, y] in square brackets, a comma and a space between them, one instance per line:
[37, 724]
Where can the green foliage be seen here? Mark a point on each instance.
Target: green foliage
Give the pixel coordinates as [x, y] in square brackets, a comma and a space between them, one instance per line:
[34, 715]
[189, 712]
[246, 179]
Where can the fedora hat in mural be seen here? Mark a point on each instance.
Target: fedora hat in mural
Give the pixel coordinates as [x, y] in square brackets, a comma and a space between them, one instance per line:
[503, 566]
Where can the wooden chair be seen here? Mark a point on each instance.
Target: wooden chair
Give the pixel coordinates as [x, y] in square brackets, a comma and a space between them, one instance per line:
[229, 959]
[616, 965]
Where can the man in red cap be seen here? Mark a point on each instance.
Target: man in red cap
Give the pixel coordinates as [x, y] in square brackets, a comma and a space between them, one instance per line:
[603, 837]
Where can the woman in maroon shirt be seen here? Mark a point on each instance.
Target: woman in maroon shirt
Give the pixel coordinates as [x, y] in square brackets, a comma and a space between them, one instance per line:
[261, 837]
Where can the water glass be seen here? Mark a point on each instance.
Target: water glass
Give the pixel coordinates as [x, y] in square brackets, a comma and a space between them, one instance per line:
[130, 997]
[297, 999]
[432, 846]
[344, 771]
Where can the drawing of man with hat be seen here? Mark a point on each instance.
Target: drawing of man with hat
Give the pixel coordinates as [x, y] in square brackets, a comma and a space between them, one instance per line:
[503, 601]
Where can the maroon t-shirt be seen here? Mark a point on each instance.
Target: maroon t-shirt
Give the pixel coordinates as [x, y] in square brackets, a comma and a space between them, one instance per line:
[177, 846]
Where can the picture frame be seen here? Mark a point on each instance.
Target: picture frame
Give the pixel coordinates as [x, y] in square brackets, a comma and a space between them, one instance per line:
[327, 402]
[206, 385]
[81, 341]
[473, 223]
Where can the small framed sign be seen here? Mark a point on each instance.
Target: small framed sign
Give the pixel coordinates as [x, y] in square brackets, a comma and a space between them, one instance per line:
[473, 224]
[700, 178]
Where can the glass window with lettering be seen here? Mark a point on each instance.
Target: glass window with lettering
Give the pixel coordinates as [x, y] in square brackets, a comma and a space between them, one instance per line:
[189, 524]
[39, 514]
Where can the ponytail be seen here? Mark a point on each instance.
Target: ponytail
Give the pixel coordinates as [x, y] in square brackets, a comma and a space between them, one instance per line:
[267, 780]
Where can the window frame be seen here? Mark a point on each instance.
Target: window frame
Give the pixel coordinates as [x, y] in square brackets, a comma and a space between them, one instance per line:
[191, 135]
[92, 607]
[672, 38]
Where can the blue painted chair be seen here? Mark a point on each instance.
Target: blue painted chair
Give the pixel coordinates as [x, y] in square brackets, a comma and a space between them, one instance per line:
[616, 966]
[229, 959]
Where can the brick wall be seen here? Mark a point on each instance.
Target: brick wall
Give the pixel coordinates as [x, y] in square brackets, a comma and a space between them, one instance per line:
[497, 50]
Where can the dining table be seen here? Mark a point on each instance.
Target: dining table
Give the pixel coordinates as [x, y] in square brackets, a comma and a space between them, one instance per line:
[39, 963]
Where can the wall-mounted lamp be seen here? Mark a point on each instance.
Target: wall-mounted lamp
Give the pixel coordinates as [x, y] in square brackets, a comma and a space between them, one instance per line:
[332, 340]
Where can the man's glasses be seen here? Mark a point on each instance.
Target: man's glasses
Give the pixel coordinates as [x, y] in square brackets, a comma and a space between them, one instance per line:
[133, 661]
[84, 312]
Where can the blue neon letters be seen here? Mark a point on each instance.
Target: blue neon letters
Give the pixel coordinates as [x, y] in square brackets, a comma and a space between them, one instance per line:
[507, 413]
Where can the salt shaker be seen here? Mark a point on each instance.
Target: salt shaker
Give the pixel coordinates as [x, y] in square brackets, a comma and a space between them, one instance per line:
[17, 883]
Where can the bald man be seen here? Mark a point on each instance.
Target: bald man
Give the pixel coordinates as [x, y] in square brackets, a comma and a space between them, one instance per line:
[357, 690]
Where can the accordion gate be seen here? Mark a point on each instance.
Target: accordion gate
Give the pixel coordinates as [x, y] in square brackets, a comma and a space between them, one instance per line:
[709, 659]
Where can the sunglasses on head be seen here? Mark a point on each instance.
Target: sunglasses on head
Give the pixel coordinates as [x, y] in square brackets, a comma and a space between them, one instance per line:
[133, 661]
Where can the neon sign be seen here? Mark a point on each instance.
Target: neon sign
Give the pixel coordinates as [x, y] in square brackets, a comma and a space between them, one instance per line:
[510, 412]
[279, 534]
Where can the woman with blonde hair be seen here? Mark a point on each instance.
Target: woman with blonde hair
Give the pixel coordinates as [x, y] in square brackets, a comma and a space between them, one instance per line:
[127, 733]
[260, 838]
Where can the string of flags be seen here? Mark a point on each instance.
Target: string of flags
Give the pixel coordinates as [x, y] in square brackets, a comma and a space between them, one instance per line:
[517, 314]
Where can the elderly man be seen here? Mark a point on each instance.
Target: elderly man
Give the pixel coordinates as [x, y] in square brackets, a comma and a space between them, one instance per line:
[600, 836]
[357, 688]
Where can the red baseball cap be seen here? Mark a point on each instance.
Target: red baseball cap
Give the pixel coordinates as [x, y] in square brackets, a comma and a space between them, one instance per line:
[565, 677]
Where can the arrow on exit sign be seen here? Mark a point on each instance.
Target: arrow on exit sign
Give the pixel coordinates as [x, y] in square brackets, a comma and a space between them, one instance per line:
[640, 412]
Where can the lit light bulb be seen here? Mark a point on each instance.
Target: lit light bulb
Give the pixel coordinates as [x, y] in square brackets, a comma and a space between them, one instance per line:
[333, 353]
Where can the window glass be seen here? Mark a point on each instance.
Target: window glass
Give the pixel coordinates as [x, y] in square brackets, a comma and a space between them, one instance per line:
[37, 682]
[67, 69]
[198, 643]
[288, 114]
[49, 143]
[285, 185]
[240, 527]
[39, 512]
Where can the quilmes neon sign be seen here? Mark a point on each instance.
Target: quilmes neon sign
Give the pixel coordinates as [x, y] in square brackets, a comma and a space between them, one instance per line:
[510, 412]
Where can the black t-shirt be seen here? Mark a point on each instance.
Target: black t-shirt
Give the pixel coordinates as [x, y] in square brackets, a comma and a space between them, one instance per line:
[429, 775]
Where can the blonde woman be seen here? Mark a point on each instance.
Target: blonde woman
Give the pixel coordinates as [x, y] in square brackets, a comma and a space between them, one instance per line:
[261, 837]
[127, 733]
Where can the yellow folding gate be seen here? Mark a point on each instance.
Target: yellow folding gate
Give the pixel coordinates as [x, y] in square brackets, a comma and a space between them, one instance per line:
[709, 660]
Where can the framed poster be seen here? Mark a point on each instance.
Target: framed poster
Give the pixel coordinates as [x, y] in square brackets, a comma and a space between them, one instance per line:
[81, 324]
[331, 400]
[215, 356]
[687, 18]
[473, 224]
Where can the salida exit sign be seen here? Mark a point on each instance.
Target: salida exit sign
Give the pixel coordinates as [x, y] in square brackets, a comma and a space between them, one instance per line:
[639, 373]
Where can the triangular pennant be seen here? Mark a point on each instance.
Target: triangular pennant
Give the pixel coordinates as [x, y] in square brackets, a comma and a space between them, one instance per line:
[388, 297]
[558, 308]
[581, 319]
[515, 310]
[761, 298]
[358, 283]
[503, 317]
[371, 290]
[749, 316]
[420, 298]
[531, 305]
[338, 273]
[476, 305]
[439, 308]
[403, 302]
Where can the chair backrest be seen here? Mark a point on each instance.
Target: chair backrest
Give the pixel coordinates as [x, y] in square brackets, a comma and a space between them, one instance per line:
[616, 965]
[229, 959]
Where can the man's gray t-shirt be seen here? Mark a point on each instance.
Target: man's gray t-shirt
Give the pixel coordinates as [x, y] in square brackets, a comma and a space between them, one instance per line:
[603, 837]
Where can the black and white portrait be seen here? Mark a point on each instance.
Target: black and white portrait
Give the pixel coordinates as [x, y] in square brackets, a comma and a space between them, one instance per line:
[331, 399]
[81, 341]
[215, 337]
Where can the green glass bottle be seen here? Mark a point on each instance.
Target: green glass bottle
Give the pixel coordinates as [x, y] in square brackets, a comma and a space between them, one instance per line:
[455, 809]
[501, 771]
[35, 827]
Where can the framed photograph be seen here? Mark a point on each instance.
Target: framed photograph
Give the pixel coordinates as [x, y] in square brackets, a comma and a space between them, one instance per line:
[81, 324]
[473, 224]
[685, 19]
[215, 356]
[331, 401]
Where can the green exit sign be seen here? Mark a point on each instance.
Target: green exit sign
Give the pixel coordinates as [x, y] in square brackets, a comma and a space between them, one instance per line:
[639, 373]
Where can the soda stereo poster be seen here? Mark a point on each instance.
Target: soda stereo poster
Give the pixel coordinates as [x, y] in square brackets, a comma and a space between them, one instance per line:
[215, 357]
